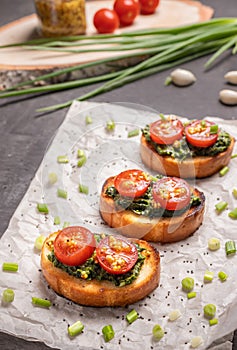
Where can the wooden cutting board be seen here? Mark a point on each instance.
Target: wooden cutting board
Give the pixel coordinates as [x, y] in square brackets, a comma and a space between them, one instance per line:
[18, 64]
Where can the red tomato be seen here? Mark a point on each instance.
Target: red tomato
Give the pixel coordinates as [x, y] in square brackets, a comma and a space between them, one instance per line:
[74, 245]
[132, 183]
[198, 134]
[166, 131]
[116, 255]
[172, 193]
[147, 7]
[127, 10]
[106, 21]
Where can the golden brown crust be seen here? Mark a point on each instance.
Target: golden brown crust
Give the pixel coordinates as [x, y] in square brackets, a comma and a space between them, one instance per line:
[162, 230]
[102, 293]
[198, 167]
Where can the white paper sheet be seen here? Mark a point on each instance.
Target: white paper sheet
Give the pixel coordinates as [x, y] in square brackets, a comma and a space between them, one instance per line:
[108, 153]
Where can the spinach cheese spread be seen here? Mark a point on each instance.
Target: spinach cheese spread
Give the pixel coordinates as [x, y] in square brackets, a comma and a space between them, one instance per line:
[91, 269]
[145, 205]
[182, 150]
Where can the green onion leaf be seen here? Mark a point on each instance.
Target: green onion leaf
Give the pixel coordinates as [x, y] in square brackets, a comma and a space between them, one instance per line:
[75, 329]
[132, 316]
[230, 248]
[42, 208]
[233, 214]
[62, 159]
[41, 302]
[158, 332]
[62, 193]
[10, 267]
[168, 81]
[8, 295]
[108, 333]
[133, 133]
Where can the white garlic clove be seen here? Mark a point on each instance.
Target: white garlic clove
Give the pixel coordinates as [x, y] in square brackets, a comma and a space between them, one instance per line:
[182, 77]
[228, 97]
[231, 77]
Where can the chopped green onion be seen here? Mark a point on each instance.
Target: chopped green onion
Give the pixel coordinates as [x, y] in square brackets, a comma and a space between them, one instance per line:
[208, 276]
[213, 321]
[62, 193]
[83, 189]
[222, 276]
[62, 159]
[234, 192]
[214, 243]
[9, 266]
[214, 129]
[162, 116]
[110, 125]
[234, 156]
[80, 153]
[75, 329]
[224, 171]
[39, 241]
[41, 302]
[191, 295]
[66, 224]
[57, 220]
[168, 81]
[132, 316]
[221, 206]
[81, 161]
[133, 133]
[88, 120]
[158, 332]
[108, 332]
[43, 208]
[209, 310]
[8, 295]
[53, 178]
[233, 214]
[187, 284]
[203, 123]
[230, 247]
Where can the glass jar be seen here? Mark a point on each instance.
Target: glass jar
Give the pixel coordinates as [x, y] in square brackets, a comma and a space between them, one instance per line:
[61, 17]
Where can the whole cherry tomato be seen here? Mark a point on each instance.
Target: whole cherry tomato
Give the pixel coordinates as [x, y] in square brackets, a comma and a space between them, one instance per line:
[106, 21]
[127, 10]
[148, 6]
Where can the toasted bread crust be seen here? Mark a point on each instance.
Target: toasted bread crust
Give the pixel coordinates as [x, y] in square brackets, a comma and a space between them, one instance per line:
[197, 167]
[102, 293]
[162, 230]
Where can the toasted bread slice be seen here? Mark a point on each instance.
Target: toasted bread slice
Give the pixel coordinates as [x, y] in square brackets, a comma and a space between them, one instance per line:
[162, 230]
[196, 167]
[102, 293]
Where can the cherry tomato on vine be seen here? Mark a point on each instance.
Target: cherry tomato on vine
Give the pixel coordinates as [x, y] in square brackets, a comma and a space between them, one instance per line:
[166, 131]
[74, 245]
[127, 10]
[116, 255]
[106, 21]
[199, 133]
[147, 7]
[172, 193]
[131, 183]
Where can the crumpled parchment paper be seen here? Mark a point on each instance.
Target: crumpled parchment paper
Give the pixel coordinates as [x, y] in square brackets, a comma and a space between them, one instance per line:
[108, 153]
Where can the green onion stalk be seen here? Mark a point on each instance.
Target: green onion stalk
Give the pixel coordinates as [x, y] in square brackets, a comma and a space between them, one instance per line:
[156, 50]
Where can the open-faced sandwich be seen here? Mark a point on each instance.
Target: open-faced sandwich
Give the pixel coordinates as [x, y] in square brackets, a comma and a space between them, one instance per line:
[198, 148]
[99, 270]
[159, 209]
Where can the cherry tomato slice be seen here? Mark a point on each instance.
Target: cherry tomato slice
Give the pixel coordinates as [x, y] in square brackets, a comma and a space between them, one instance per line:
[74, 245]
[131, 183]
[147, 7]
[106, 21]
[116, 255]
[127, 10]
[166, 131]
[172, 193]
[198, 134]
